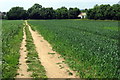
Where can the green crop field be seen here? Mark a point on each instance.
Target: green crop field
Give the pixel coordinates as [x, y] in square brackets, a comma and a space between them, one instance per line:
[67, 42]
[11, 40]
[89, 47]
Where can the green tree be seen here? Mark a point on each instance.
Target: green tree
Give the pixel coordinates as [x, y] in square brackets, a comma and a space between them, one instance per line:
[17, 13]
[104, 12]
[90, 14]
[61, 13]
[116, 11]
[73, 13]
[47, 13]
[34, 11]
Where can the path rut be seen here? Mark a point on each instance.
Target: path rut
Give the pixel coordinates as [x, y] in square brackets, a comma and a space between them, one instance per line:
[22, 71]
[54, 66]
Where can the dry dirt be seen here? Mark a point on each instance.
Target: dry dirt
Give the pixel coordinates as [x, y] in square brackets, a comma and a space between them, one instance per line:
[22, 71]
[54, 66]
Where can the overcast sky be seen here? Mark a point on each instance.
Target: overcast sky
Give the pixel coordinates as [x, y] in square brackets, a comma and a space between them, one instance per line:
[5, 5]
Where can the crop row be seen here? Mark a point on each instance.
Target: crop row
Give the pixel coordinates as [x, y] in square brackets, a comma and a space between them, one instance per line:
[89, 47]
[11, 38]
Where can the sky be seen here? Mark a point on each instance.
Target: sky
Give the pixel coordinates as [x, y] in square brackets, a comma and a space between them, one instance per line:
[6, 5]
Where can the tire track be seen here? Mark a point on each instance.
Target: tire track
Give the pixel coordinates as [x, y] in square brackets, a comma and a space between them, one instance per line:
[22, 71]
[54, 66]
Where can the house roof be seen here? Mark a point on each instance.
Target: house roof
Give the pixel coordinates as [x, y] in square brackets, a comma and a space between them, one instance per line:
[82, 14]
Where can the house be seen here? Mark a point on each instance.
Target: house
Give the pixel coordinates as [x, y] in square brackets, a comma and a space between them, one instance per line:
[82, 15]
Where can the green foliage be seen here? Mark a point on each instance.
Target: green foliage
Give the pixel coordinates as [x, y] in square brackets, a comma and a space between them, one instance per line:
[62, 13]
[34, 11]
[11, 39]
[88, 46]
[47, 13]
[103, 12]
[39, 12]
[73, 13]
[33, 61]
[17, 13]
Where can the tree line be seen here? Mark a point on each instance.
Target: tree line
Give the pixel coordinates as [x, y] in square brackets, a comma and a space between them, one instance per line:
[39, 12]
[100, 12]
[103, 12]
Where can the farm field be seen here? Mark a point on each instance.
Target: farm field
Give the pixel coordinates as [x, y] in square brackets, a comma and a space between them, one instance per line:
[89, 47]
[86, 48]
[13, 54]
[63, 40]
[11, 40]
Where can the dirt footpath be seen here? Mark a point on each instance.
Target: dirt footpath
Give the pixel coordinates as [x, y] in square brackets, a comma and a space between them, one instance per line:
[22, 71]
[52, 62]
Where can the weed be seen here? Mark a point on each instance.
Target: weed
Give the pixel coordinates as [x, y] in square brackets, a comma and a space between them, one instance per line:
[51, 53]
[33, 62]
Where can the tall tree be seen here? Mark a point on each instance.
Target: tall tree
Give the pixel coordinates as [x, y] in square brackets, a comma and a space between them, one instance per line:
[17, 13]
[73, 13]
[47, 13]
[62, 13]
[116, 11]
[104, 12]
[34, 11]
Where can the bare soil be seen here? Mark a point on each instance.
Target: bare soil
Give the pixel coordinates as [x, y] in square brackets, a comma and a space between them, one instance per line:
[53, 63]
[22, 71]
